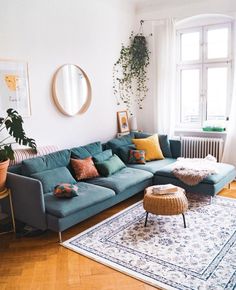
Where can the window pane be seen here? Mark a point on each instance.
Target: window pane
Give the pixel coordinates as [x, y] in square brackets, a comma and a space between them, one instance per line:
[217, 93]
[190, 96]
[217, 40]
[190, 48]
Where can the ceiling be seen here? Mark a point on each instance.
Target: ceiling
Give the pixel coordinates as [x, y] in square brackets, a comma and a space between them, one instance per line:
[152, 4]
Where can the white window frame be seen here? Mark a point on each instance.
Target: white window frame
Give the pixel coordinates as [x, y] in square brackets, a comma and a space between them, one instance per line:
[202, 63]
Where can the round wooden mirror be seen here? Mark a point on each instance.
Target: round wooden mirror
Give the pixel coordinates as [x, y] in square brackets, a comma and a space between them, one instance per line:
[71, 90]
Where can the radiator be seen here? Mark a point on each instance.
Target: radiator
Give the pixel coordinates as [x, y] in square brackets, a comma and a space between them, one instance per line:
[199, 147]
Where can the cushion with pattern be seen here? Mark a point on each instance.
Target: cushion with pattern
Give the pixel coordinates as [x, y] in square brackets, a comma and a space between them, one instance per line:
[65, 190]
[137, 157]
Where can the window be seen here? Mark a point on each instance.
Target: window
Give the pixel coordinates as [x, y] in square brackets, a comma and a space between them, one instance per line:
[203, 74]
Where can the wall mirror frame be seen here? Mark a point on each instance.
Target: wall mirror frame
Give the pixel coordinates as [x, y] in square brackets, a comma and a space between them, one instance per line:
[71, 90]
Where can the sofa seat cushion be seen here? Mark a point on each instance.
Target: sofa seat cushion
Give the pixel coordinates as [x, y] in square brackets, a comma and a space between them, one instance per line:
[222, 168]
[122, 179]
[88, 195]
[153, 166]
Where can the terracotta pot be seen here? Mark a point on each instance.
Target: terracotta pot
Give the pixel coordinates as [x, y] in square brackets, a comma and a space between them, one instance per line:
[3, 173]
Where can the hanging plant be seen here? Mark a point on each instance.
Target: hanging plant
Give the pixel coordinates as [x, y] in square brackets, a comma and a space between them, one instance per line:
[130, 72]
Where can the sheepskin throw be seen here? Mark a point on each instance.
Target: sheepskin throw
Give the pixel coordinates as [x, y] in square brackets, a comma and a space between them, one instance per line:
[193, 170]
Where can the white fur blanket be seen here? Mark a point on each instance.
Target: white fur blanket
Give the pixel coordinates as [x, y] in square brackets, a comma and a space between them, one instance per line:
[193, 170]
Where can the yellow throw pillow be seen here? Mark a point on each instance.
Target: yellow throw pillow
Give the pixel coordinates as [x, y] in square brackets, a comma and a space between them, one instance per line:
[151, 147]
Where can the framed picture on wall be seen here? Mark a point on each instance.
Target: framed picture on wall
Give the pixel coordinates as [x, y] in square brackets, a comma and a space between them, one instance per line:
[14, 87]
[123, 123]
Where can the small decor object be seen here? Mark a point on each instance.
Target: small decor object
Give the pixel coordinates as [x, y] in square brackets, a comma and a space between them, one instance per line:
[130, 71]
[164, 189]
[123, 123]
[137, 157]
[14, 128]
[66, 190]
[133, 123]
[14, 86]
[84, 168]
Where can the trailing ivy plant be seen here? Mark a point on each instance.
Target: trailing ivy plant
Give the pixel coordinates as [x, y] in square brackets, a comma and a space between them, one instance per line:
[130, 72]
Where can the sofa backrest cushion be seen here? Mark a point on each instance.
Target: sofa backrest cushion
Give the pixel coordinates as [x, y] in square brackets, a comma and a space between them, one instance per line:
[163, 140]
[116, 143]
[124, 152]
[100, 157]
[53, 177]
[83, 152]
[175, 146]
[46, 162]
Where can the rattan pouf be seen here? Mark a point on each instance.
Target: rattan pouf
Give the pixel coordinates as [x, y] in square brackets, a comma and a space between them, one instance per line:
[165, 204]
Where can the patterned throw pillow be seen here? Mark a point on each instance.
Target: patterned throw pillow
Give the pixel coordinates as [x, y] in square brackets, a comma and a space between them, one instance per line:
[65, 190]
[84, 168]
[137, 156]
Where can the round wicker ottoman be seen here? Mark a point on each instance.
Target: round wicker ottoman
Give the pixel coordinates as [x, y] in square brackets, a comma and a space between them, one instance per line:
[165, 204]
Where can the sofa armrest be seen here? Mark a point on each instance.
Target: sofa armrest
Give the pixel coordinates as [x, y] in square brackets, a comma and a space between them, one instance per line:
[28, 200]
[175, 147]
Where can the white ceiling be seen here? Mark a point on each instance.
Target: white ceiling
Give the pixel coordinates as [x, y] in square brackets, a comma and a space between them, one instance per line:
[155, 4]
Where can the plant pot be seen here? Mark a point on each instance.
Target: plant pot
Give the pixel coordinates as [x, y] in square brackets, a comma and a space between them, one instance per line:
[3, 173]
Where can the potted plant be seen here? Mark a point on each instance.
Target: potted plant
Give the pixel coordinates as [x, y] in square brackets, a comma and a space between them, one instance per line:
[130, 72]
[14, 133]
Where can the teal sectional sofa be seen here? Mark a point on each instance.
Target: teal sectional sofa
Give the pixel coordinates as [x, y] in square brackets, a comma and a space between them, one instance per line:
[162, 169]
[32, 183]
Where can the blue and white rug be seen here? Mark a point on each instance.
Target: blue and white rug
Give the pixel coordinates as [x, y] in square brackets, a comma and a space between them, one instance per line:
[165, 254]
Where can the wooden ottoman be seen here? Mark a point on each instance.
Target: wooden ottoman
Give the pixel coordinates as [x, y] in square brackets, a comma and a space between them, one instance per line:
[165, 204]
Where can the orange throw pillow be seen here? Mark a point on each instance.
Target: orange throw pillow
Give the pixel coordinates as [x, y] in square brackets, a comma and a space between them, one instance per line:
[84, 168]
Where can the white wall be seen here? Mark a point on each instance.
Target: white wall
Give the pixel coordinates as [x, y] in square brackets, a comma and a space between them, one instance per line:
[153, 15]
[49, 33]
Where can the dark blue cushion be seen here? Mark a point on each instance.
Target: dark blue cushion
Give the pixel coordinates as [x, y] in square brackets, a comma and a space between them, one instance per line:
[123, 152]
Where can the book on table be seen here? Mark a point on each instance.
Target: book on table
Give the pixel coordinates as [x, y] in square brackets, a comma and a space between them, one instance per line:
[164, 189]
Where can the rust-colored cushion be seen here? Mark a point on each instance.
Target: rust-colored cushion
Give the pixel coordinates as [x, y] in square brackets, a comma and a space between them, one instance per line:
[84, 168]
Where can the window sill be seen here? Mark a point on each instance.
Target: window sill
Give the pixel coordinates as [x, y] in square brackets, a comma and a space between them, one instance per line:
[199, 133]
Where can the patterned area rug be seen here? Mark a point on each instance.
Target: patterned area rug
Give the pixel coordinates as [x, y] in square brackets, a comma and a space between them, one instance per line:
[164, 254]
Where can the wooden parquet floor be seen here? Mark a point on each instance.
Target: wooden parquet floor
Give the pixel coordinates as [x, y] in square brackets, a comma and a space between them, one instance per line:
[40, 263]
